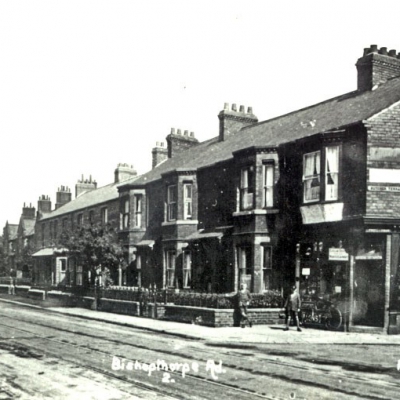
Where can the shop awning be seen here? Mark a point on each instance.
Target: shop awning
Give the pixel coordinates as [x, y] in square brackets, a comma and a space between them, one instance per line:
[145, 243]
[49, 251]
[200, 234]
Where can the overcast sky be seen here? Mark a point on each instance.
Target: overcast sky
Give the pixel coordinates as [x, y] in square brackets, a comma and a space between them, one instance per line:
[85, 85]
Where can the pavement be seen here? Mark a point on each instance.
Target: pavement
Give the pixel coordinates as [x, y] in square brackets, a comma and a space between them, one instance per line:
[258, 334]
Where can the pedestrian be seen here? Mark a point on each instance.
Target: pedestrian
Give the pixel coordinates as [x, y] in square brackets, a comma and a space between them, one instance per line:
[292, 308]
[244, 299]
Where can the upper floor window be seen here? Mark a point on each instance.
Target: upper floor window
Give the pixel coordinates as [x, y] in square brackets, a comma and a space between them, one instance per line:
[104, 215]
[80, 219]
[64, 224]
[171, 203]
[247, 188]
[268, 185]
[55, 229]
[125, 215]
[91, 216]
[138, 210]
[311, 176]
[187, 200]
[331, 172]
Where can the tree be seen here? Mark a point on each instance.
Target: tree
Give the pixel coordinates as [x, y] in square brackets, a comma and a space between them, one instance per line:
[25, 259]
[97, 249]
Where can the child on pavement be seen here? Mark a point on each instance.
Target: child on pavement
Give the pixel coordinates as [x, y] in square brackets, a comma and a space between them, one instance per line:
[244, 298]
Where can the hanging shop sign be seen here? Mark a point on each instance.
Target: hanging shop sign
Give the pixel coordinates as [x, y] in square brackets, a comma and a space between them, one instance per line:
[305, 271]
[338, 254]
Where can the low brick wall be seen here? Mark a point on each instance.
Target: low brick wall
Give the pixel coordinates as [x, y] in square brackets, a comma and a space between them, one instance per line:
[22, 290]
[7, 289]
[220, 317]
[131, 308]
[36, 294]
[58, 298]
[84, 302]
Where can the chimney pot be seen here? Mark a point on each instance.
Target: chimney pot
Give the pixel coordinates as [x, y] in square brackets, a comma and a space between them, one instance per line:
[249, 110]
[179, 132]
[234, 107]
[241, 109]
[392, 53]
[191, 134]
[226, 106]
[172, 131]
[366, 51]
[383, 51]
[186, 133]
[374, 48]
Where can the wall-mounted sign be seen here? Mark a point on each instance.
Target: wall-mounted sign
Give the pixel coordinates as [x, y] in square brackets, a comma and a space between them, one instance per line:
[338, 289]
[305, 271]
[384, 188]
[369, 256]
[317, 213]
[338, 254]
[373, 230]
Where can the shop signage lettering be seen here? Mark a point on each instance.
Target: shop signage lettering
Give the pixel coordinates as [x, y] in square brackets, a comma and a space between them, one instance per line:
[338, 254]
[384, 188]
[316, 213]
[378, 231]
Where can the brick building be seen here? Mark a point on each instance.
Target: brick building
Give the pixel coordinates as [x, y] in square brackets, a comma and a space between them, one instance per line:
[91, 205]
[310, 197]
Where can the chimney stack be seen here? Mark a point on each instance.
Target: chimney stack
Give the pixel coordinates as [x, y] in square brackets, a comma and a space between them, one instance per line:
[123, 172]
[85, 185]
[159, 154]
[232, 121]
[28, 211]
[44, 204]
[176, 142]
[63, 196]
[376, 67]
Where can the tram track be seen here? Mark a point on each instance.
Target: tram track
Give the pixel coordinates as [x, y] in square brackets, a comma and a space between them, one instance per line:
[281, 362]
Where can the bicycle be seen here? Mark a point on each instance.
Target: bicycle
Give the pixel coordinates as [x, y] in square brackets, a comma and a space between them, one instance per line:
[322, 312]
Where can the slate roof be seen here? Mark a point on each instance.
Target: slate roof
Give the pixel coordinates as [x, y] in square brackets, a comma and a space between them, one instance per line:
[12, 231]
[89, 199]
[331, 114]
[29, 226]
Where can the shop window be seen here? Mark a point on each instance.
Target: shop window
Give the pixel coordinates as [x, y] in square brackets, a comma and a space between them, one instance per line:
[331, 172]
[267, 267]
[187, 200]
[170, 258]
[268, 185]
[247, 188]
[187, 269]
[171, 203]
[138, 210]
[311, 176]
[104, 215]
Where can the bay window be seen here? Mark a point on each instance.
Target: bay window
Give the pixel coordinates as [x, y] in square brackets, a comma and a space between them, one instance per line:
[266, 267]
[125, 215]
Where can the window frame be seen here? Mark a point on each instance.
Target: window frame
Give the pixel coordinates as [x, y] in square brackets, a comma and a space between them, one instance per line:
[268, 186]
[247, 188]
[328, 173]
[172, 204]
[316, 175]
[266, 266]
[187, 201]
[125, 214]
[170, 268]
[138, 210]
[104, 215]
[187, 269]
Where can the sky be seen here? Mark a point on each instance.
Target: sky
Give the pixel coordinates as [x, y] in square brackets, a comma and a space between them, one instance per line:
[85, 85]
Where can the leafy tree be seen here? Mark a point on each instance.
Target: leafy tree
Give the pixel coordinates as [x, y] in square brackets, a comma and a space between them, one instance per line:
[25, 258]
[97, 249]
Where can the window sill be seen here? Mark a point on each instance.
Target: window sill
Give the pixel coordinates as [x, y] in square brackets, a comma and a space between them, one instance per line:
[181, 222]
[256, 212]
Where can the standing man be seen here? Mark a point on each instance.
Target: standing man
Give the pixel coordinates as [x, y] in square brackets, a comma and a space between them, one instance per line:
[292, 308]
[244, 298]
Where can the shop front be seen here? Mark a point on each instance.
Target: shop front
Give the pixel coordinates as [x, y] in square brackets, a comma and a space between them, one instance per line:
[350, 270]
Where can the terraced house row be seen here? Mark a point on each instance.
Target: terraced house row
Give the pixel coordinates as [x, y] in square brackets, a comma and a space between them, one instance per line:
[311, 197]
